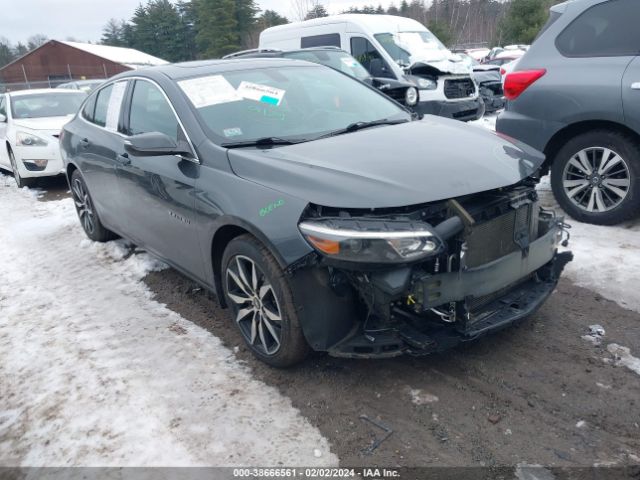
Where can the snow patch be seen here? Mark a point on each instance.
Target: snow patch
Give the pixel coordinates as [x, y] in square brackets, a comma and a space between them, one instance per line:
[418, 397]
[622, 357]
[595, 335]
[96, 373]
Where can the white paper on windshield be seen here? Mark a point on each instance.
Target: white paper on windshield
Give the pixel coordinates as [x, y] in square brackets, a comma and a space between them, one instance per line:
[211, 90]
[261, 93]
[115, 103]
[349, 62]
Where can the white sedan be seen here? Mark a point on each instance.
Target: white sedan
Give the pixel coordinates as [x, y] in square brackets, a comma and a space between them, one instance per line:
[30, 123]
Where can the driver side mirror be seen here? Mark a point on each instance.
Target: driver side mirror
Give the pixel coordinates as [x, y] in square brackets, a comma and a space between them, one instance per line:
[155, 144]
[3, 118]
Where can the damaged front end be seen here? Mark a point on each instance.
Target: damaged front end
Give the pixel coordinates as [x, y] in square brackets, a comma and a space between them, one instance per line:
[421, 279]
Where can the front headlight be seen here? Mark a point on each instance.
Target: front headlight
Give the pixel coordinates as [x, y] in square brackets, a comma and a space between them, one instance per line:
[426, 84]
[411, 97]
[25, 139]
[372, 240]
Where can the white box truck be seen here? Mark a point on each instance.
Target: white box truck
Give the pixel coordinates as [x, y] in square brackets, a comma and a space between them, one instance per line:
[394, 48]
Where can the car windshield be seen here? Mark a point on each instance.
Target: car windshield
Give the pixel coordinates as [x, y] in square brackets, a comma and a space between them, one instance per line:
[338, 60]
[46, 105]
[407, 48]
[298, 103]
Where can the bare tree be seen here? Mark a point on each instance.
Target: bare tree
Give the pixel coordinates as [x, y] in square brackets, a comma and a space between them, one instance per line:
[301, 8]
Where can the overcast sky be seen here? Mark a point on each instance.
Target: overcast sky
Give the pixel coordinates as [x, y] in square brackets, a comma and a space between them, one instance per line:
[84, 19]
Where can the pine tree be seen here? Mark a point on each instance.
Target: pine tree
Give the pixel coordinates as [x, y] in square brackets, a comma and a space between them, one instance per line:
[6, 52]
[217, 28]
[523, 20]
[271, 18]
[112, 33]
[246, 11]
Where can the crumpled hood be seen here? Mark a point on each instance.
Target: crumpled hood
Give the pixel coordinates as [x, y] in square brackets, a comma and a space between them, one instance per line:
[392, 166]
[47, 123]
[443, 66]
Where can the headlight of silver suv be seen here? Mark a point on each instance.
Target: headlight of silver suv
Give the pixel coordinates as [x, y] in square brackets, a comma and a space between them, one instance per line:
[426, 84]
[25, 139]
[372, 240]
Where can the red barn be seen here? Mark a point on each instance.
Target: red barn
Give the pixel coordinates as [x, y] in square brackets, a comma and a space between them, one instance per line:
[57, 62]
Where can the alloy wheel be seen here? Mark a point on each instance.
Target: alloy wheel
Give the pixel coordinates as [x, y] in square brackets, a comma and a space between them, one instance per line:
[596, 179]
[83, 206]
[14, 166]
[256, 308]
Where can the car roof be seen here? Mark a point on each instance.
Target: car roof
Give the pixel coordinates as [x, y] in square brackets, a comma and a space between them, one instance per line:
[40, 91]
[372, 22]
[275, 53]
[178, 71]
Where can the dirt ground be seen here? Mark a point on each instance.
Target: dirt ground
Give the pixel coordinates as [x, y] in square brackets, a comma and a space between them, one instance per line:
[514, 397]
[537, 393]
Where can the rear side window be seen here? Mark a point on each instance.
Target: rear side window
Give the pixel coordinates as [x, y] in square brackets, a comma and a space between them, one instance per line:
[605, 30]
[150, 112]
[89, 108]
[553, 17]
[369, 57]
[102, 106]
[330, 40]
[3, 108]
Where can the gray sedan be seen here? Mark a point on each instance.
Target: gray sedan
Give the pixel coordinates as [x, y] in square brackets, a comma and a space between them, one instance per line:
[315, 207]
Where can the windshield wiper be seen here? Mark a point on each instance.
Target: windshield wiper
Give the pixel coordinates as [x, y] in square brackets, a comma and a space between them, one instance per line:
[354, 127]
[262, 142]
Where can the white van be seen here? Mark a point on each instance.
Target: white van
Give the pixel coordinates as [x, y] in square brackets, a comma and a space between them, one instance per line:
[391, 47]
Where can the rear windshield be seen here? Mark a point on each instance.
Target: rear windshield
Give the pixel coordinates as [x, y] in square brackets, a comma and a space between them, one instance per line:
[296, 103]
[46, 105]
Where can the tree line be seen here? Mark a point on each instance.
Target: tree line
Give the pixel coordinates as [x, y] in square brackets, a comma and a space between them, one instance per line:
[193, 29]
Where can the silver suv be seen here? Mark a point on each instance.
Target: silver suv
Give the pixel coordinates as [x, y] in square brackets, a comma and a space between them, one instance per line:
[575, 95]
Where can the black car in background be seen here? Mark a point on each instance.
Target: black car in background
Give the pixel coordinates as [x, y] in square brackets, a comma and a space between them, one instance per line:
[318, 210]
[402, 92]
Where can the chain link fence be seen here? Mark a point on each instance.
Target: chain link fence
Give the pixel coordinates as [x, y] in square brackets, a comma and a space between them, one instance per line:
[24, 77]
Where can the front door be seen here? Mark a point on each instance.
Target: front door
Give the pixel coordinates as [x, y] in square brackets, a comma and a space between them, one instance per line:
[631, 95]
[159, 191]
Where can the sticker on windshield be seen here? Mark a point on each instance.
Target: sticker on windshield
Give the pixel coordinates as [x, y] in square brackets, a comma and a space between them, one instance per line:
[349, 62]
[232, 132]
[261, 93]
[208, 91]
[113, 109]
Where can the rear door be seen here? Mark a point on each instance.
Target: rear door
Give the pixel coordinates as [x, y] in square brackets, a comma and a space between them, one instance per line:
[97, 144]
[159, 191]
[631, 95]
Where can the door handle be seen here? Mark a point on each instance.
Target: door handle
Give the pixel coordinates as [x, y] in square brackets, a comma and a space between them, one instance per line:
[84, 143]
[124, 159]
[635, 86]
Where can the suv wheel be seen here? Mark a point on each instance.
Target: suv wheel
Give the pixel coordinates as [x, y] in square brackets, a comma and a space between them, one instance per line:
[21, 182]
[87, 214]
[260, 299]
[595, 177]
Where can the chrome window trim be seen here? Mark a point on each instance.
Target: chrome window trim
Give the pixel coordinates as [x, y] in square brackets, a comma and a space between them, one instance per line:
[195, 158]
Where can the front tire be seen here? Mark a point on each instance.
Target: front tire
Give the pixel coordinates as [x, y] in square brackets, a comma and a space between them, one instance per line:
[595, 177]
[260, 299]
[87, 214]
[21, 182]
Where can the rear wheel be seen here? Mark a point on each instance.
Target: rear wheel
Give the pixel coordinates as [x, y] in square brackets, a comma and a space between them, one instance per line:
[22, 182]
[261, 302]
[87, 214]
[595, 177]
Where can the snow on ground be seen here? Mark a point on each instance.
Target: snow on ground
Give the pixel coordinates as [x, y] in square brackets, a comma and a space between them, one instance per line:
[607, 259]
[93, 372]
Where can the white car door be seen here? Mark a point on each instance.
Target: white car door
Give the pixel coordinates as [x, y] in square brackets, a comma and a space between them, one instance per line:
[4, 156]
